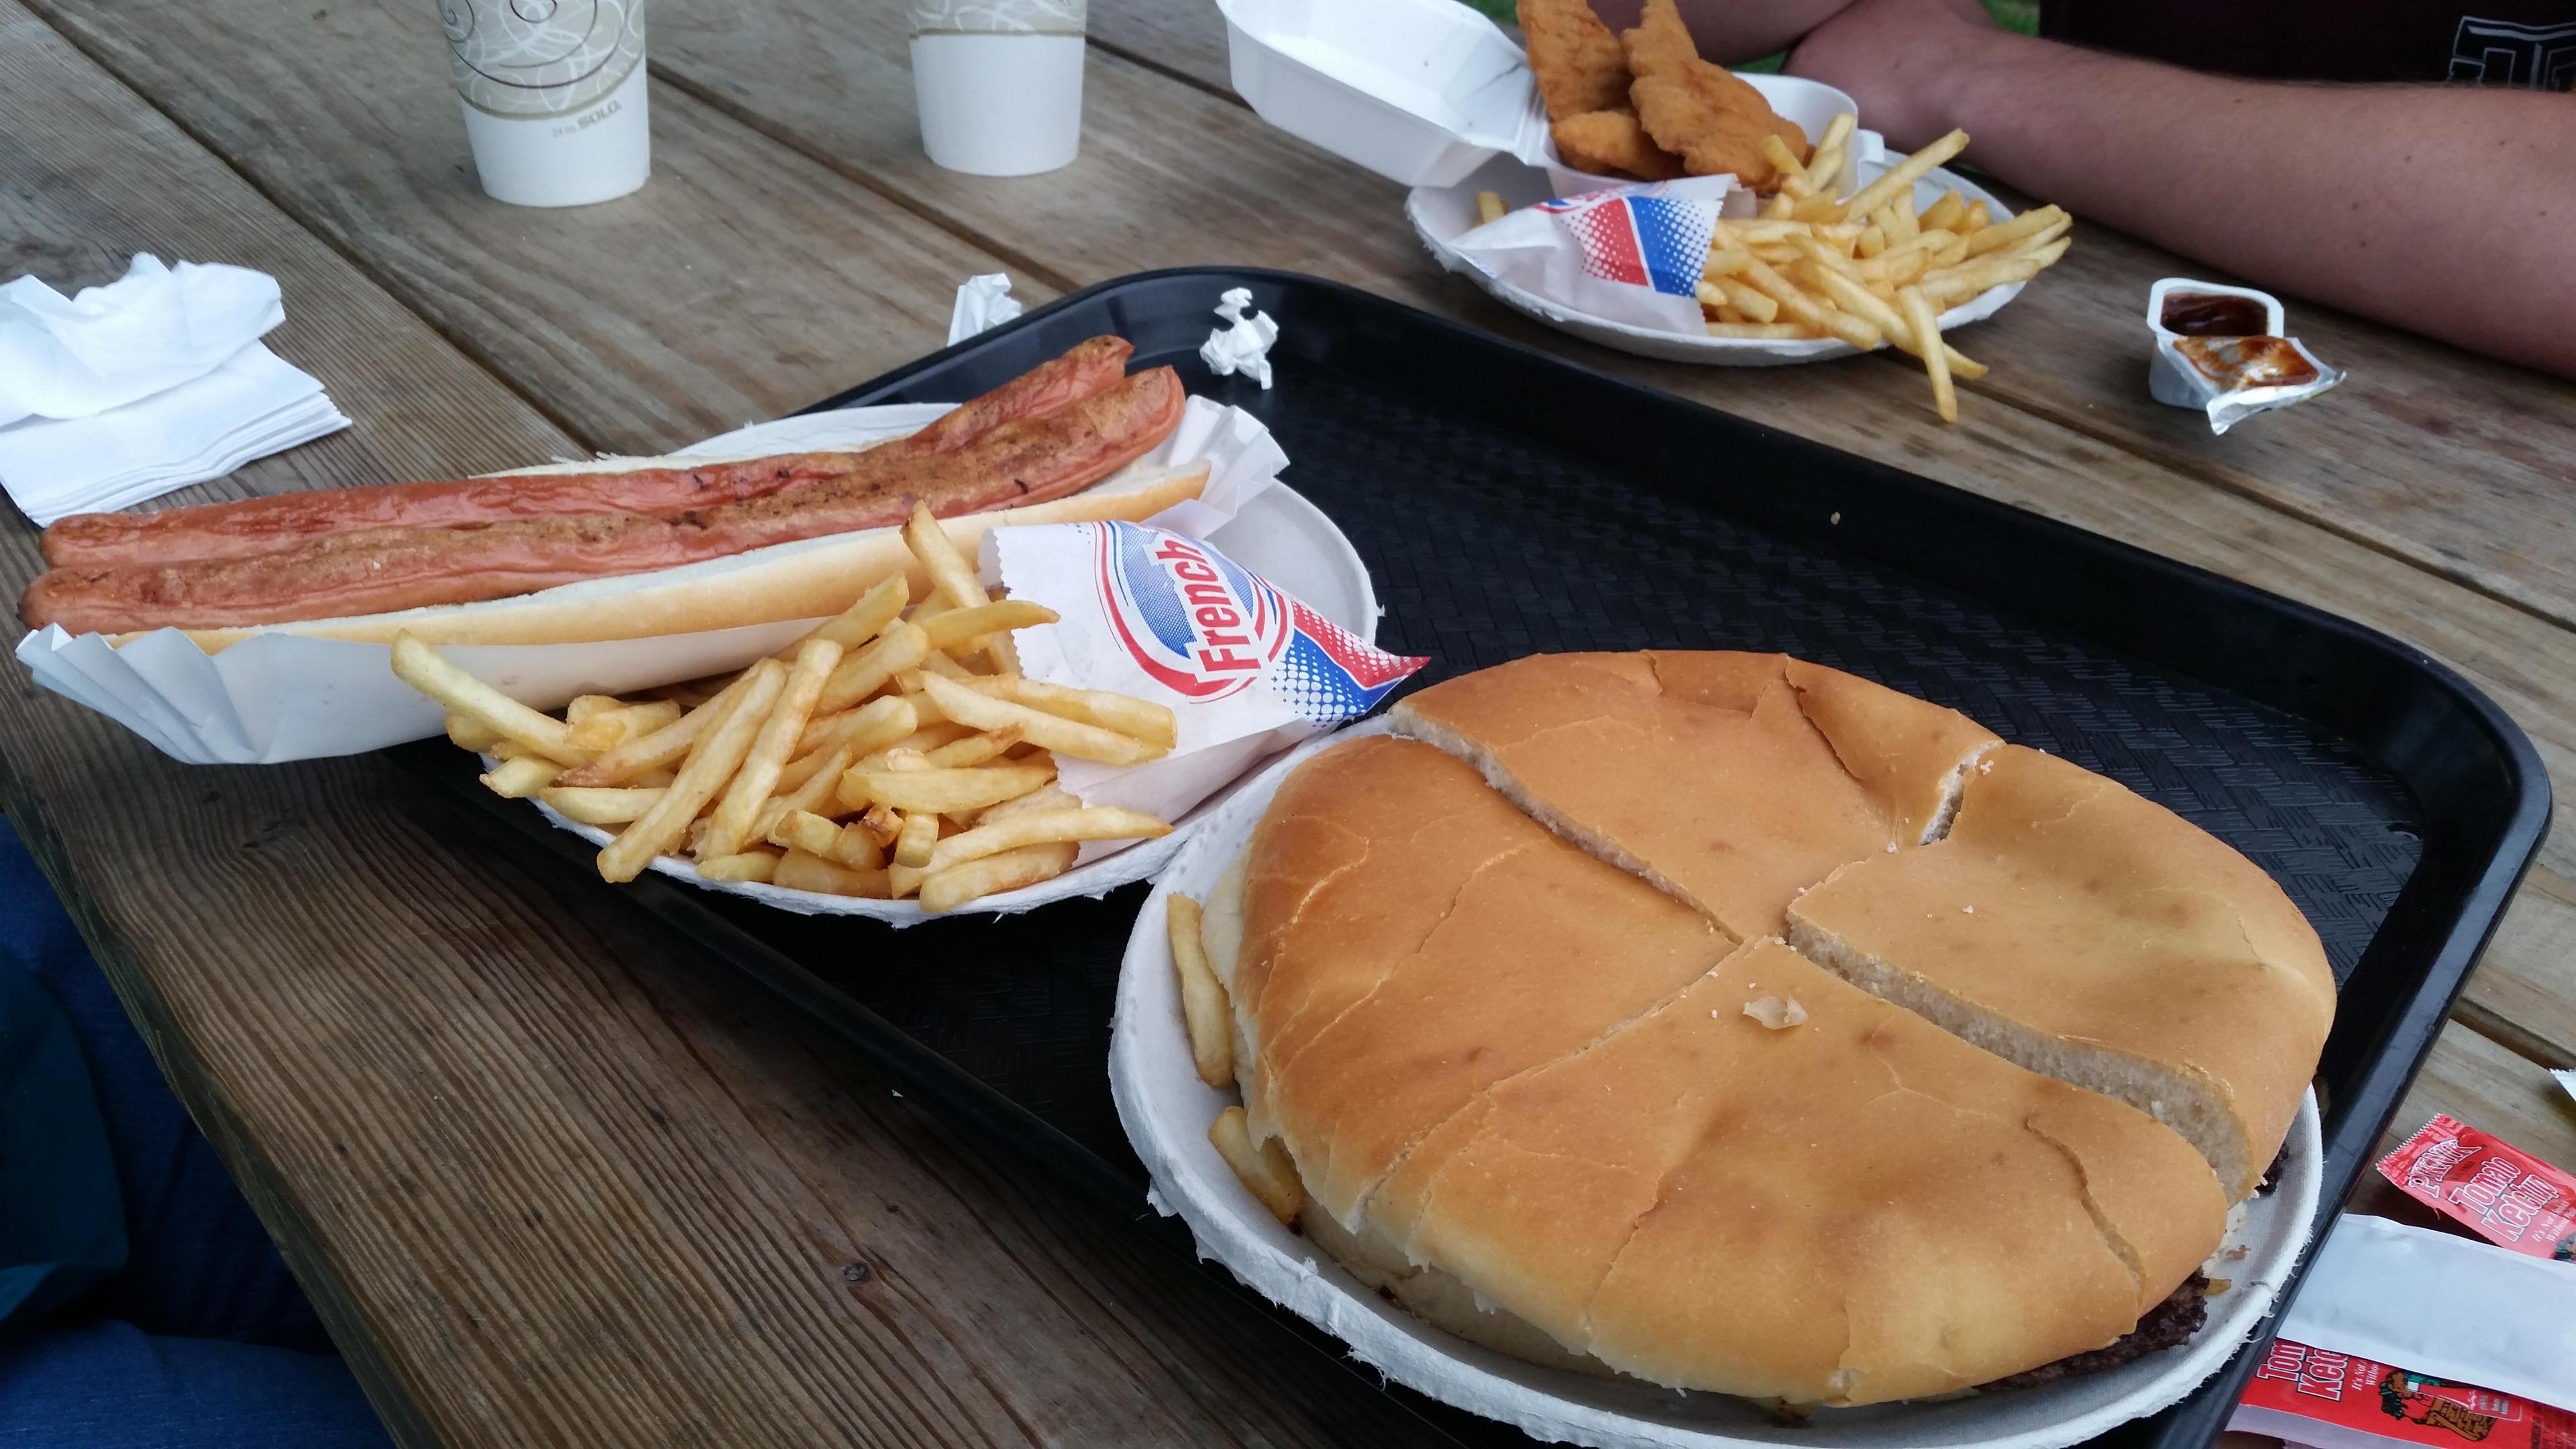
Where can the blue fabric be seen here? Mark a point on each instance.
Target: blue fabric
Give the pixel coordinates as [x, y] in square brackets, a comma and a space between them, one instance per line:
[111, 1386]
[62, 1227]
[201, 1340]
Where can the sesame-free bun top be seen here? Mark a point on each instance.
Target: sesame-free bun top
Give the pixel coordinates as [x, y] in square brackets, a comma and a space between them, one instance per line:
[1731, 780]
[1503, 1065]
[2086, 931]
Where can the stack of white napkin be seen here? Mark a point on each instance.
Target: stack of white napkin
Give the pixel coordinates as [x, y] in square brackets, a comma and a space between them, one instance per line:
[130, 390]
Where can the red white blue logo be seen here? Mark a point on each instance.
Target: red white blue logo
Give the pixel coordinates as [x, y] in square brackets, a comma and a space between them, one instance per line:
[1202, 627]
[1643, 240]
[1205, 628]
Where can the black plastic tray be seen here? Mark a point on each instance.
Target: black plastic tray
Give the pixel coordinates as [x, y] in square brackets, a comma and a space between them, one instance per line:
[1508, 502]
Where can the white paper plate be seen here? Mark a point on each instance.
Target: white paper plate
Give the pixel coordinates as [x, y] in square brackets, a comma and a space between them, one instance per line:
[1440, 215]
[1278, 535]
[1166, 1110]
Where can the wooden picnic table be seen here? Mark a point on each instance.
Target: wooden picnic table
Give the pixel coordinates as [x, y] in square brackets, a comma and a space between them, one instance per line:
[550, 1176]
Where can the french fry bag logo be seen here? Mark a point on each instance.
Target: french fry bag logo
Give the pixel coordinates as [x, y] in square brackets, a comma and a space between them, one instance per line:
[1199, 624]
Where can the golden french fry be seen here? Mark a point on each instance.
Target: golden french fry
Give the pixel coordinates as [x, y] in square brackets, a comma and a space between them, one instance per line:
[599, 804]
[900, 647]
[1793, 172]
[952, 575]
[1048, 827]
[653, 779]
[1957, 284]
[468, 733]
[1899, 179]
[729, 830]
[1724, 262]
[918, 838]
[857, 849]
[1945, 214]
[1838, 132]
[1825, 257]
[519, 778]
[710, 764]
[583, 706]
[882, 823]
[2004, 233]
[905, 759]
[804, 830]
[1820, 207]
[1823, 318]
[959, 628]
[1142, 719]
[1266, 1171]
[872, 726]
[804, 870]
[1978, 217]
[943, 792]
[632, 722]
[937, 663]
[1872, 241]
[974, 749]
[1824, 171]
[1891, 323]
[1203, 1006]
[1936, 363]
[1755, 306]
[1045, 797]
[1052, 732]
[1489, 207]
[1780, 206]
[866, 618]
[420, 666]
[753, 865]
[663, 746]
[1761, 331]
[1903, 207]
[946, 890]
[821, 788]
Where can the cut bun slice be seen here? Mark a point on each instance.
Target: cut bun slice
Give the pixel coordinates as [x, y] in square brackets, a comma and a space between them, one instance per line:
[2083, 931]
[810, 579]
[1407, 939]
[1732, 781]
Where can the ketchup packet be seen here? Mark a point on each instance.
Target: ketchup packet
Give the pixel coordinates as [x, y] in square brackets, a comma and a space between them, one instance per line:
[1247, 669]
[1632, 254]
[2504, 1195]
[2314, 1396]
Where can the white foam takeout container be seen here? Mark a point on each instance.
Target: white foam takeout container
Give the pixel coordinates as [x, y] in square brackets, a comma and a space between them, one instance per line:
[1419, 91]
[1166, 1109]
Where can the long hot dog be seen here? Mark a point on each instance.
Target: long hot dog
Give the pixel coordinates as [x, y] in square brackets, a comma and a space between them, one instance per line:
[267, 525]
[375, 570]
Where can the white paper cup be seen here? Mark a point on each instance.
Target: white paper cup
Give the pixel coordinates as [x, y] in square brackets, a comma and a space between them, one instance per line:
[554, 95]
[999, 103]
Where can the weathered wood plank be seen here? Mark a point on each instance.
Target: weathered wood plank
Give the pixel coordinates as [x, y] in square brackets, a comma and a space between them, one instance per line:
[741, 283]
[1186, 39]
[549, 1180]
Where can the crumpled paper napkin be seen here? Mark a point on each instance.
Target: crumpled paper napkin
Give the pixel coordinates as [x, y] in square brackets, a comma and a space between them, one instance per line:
[150, 383]
[1243, 344]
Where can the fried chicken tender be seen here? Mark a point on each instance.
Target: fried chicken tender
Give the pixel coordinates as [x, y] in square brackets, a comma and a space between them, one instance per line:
[1703, 112]
[1580, 64]
[1612, 143]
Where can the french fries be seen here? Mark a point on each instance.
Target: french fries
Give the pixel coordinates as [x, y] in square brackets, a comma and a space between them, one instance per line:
[1266, 1170]
[1203, 1004]
[1812, 265]
[893, 751]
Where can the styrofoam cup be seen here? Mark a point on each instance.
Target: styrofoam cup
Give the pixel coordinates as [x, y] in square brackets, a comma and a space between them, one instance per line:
[999, 104]
[554, 95]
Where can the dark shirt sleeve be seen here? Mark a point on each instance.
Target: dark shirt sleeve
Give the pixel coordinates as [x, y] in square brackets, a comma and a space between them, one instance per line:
[2527, 44]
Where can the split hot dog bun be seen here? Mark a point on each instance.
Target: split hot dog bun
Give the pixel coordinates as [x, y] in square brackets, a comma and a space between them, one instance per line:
[810, 579]
[1510, 988]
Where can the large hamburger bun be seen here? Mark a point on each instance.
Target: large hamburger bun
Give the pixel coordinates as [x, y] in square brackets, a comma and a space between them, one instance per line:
[2089, 933]
[1706, 773]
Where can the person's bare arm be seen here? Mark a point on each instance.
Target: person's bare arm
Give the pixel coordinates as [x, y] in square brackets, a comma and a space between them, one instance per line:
[2449, 211]
[1731, 32]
